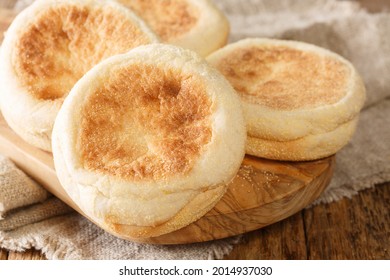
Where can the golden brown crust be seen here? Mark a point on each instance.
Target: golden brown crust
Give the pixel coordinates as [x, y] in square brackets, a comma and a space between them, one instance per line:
[65, 41]
[168, 18]
[194, 210]
[310, 147]
[284, 78]
[159, 122]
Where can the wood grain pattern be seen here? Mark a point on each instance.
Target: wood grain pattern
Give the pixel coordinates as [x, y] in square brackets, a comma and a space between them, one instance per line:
[262, 193]
[3, 254]
[283, 240]
[357, 228]
[26, 255]
[363, 225]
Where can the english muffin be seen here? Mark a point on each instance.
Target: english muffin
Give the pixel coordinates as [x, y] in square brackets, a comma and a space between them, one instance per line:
[48, 48]
[146, 141]
[197, 25]
[301, 102]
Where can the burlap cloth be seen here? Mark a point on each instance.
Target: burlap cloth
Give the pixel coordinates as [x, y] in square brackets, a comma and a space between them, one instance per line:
[32, 218]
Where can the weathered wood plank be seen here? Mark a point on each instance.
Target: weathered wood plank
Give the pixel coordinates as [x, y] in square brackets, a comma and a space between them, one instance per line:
[283, 240]
[3, 254]
[27, 255]
[351, 229]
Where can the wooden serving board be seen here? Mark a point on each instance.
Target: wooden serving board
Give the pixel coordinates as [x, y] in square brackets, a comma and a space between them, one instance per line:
[262, 193]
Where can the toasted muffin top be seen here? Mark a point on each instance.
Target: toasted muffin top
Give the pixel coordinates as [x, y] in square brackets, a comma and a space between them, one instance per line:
[145, 123]
[63, 41]
[285, 78]
[168, 18]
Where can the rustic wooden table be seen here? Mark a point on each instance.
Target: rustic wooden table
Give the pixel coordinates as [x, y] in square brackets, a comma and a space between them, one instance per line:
[357, 228]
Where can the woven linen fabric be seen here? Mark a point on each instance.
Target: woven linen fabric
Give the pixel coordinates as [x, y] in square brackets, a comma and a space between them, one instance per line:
[341, 26]
[16, 188]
